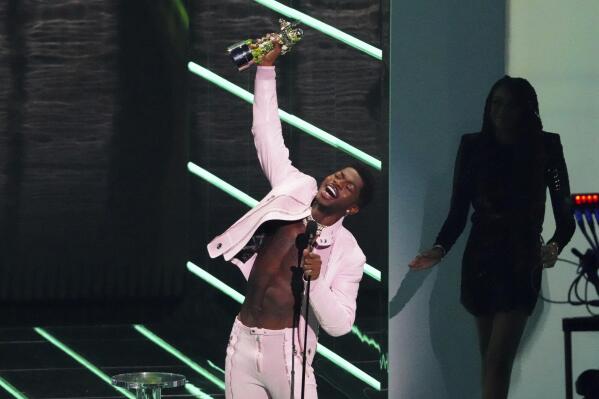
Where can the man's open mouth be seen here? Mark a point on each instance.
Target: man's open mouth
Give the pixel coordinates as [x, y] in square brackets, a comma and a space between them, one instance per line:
[331, 191]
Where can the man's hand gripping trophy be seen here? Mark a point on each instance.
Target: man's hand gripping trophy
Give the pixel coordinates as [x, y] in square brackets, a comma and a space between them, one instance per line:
[265, 50]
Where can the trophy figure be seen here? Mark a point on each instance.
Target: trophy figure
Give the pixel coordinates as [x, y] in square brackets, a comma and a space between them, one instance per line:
[248, 52]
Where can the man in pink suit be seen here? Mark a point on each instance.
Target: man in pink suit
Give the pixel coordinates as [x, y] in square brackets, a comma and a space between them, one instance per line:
[263, 245]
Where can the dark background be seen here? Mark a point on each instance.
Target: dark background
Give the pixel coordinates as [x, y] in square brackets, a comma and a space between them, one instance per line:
[98, 119]
[94, 194]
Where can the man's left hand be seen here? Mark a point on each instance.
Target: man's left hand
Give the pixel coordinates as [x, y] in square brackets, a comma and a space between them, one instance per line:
[312, 263]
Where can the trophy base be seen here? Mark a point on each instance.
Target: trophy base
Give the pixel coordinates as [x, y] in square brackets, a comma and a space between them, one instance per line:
[241, 55]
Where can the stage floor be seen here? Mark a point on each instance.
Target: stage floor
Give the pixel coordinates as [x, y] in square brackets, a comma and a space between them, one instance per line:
[76, 361]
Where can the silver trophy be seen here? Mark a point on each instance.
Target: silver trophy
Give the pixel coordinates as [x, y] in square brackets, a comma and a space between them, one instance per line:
[248, 52]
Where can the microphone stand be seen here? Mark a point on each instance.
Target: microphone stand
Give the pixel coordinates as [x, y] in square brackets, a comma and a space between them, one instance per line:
[296, 314]
[309, 278]
[303, 241]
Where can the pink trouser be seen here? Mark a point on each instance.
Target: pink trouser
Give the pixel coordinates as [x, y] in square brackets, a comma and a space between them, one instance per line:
[258, 365]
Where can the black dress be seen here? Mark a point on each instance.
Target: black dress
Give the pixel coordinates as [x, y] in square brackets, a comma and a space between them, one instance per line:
[506, 185]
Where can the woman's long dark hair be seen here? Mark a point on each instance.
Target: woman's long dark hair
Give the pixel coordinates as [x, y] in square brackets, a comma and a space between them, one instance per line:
[526, 98]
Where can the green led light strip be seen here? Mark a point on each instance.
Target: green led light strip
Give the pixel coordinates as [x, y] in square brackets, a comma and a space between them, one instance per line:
[288, 118]
[365, 338]
[341, 362]
[214, 366]
[220, 183]
[322, 27]
[180, 7]
[197, 392]
[216, 283]
[11, 389]
[372, 272]
[384, 362]
[170, 349]
[320, 349]
[81, 360]
[249, 201]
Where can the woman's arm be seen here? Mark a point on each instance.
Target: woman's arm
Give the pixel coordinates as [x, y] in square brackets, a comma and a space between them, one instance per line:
[559, 190]
[458, 212]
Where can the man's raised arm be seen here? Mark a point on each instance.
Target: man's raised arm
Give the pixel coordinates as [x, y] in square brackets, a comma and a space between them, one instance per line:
[266, 127]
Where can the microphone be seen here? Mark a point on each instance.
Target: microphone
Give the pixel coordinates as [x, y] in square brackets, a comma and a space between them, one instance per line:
[311, 235]
[308, 237]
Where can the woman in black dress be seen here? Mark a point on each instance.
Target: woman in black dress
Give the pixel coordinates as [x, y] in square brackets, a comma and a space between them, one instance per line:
[504, 172]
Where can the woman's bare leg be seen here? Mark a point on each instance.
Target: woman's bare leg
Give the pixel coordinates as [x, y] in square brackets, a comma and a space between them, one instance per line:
[506, 331]
[484, 327]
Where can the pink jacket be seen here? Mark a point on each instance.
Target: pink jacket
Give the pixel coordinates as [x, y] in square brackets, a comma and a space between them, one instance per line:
[333, 294]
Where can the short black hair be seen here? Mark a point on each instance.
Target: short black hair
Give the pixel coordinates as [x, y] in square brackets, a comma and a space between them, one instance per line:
[368, 183]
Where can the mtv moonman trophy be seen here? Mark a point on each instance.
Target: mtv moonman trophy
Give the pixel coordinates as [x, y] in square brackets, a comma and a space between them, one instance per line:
[249, 51]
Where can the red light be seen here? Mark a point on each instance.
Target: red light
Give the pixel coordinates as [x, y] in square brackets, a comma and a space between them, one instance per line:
[585, 200]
